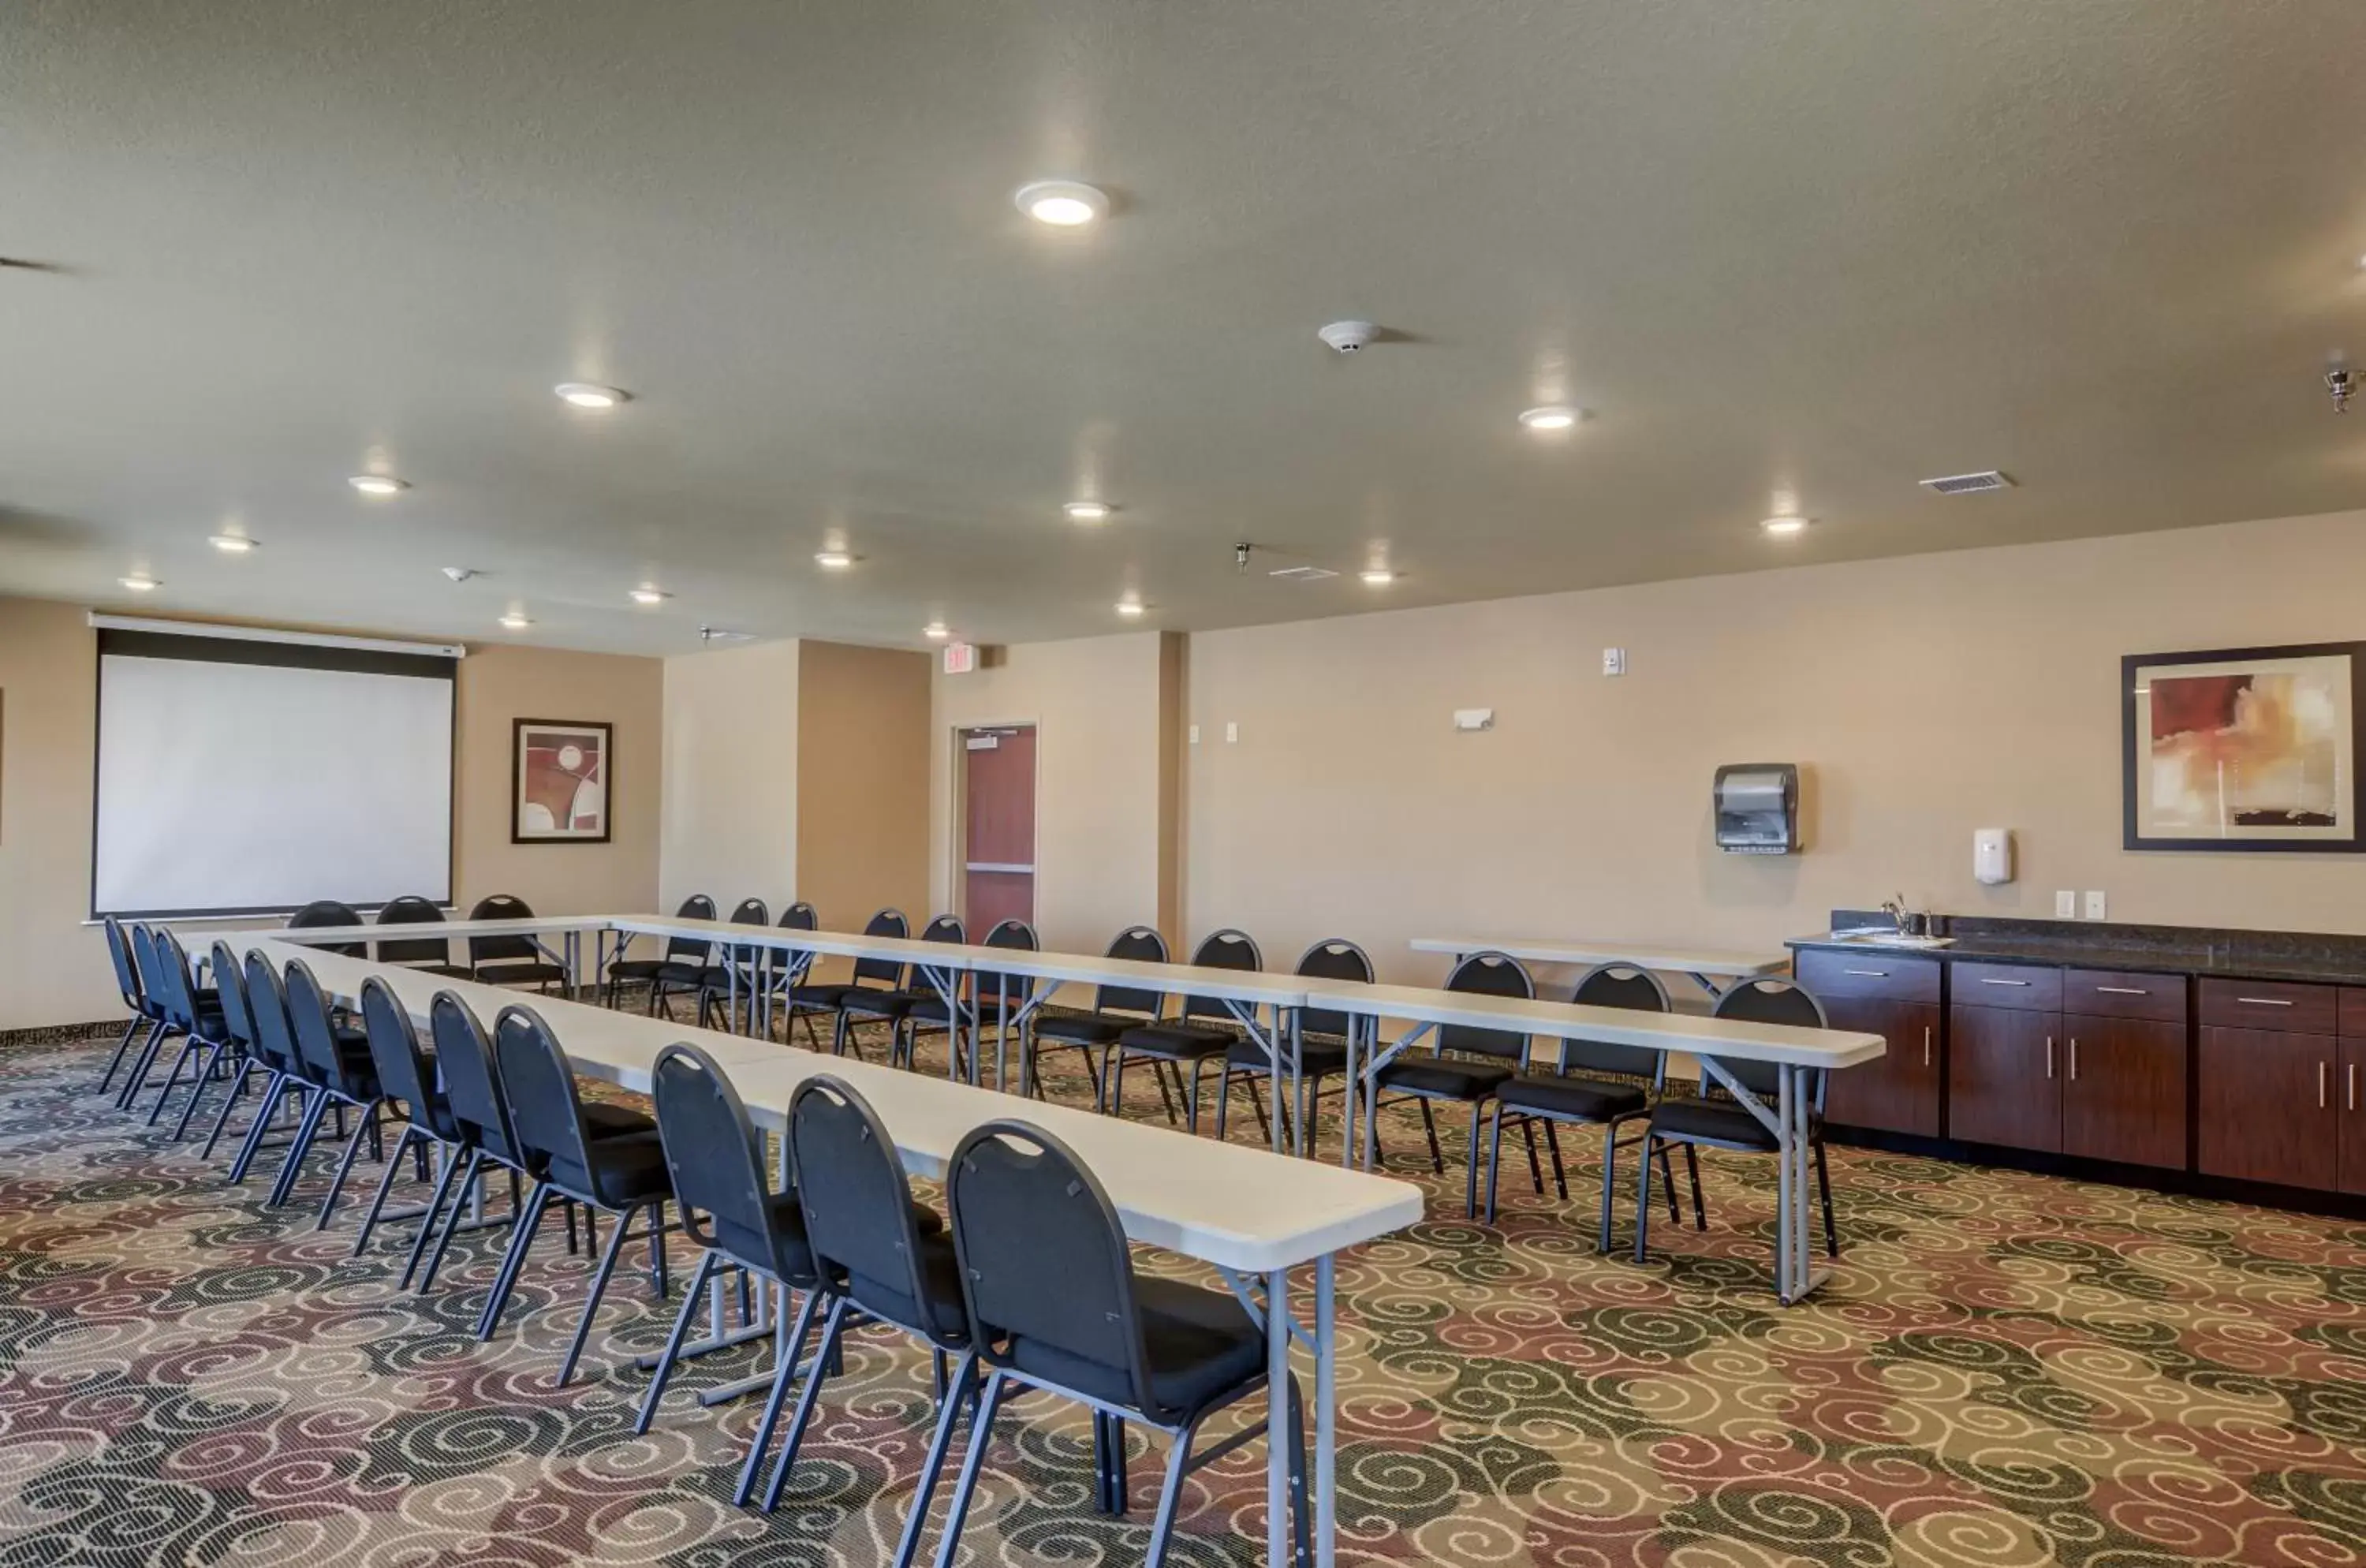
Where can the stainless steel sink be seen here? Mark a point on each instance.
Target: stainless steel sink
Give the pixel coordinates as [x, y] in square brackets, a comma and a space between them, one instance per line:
[1892, 938]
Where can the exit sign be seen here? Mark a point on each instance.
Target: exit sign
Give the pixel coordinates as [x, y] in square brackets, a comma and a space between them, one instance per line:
[961, 658]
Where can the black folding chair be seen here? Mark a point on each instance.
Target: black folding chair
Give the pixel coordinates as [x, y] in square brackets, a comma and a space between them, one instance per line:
[430, 955]
[147, 1013]
[1054, 1303]
[1464, 1065]
[736, 973]
[407, 1075]
[511, 960]
[992, 1002]
[1205, 1031]
[1321, 1043]
[196, 1016]
[336, 1059]
[686, 950]
[1115, 1009]
[871, 977]
[327, 913]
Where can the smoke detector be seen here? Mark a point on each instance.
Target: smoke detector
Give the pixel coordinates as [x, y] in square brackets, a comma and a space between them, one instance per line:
[461, 573]
[1348, 336]
[1968, 484]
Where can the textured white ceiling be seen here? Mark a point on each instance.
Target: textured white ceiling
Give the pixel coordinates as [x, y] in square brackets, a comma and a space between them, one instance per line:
[1828, 247]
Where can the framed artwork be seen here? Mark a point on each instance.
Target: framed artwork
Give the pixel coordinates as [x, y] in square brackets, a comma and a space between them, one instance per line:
[563, 775]
[2243, 749]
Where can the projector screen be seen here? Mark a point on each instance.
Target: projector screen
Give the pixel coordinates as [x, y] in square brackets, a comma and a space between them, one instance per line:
[242, 776]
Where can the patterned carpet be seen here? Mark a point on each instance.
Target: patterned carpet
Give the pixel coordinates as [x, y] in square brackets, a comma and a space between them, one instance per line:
[2007, 1370]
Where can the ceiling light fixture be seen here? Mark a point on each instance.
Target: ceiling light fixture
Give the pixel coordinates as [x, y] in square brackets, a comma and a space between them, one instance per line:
[1064, 204]
[1378, 577]
[1784, 526]
[379, 485]
[1089, 511]
[515, 621]
[1130, 607]
[590, 395]
[836, 561]
[936, 631]
[231, 544]
[139, 583]
[645, 595]
[1551, 416]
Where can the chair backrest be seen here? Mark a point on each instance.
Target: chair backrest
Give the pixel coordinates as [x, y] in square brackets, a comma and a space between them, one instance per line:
[857, 1202]
[748, 912]
[328, 912]
[180, 985]
[790, 969]
[153, 991]
[1143, 944]
[945, 928]
[1333, 958]
[411, 909]
[119, 952]
[1766, 1001]
[887, 922]
[472, 1080]
[266, 1007]
[800, 917]
[1015, 936]
[501, 949]
[714, 1155]
[1488, 974]
[1617, 986]
[1226, 949]
[546, 1110]
[1043, 1259]
[403, 1069]
[229, 985]
[316, 1032]
[692, 948]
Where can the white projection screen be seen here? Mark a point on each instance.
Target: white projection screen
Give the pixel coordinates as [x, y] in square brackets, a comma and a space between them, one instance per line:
[242, 776]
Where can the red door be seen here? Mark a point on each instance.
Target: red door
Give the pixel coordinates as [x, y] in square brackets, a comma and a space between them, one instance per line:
[998, 836]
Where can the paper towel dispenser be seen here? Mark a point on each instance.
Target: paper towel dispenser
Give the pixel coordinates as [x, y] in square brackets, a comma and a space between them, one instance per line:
[1758, 809]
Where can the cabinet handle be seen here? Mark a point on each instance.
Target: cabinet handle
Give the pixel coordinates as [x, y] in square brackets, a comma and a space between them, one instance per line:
[2322, 1076]
[1926, 1044]
[2263, 1001]
[1992, 980]
[2074, 1058]
[2049, 1055]
[2121, 991]
[1868, 973]
[2353, 1086]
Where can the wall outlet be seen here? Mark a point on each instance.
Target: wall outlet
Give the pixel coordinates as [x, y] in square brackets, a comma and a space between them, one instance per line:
[1233, 733]
[2066, 899]
[1614, 662]
[2094, 903]
[1195, 735]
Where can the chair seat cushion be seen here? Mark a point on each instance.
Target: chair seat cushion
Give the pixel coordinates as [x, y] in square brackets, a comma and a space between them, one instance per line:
[1176, 1041]
[518, 972]
[821, 994]
[871, 1001]
[635, 968]
[628, 1169]
[1200, 1344]
[1444, 1077]
[1079, 1028]
[1711, 1122]
[1320, 1058]
[1579, 1100]
[943, 1316]
[680, 972]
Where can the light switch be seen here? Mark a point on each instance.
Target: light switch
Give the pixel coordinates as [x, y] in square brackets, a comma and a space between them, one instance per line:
[2066, 904]
[2095, 904]
[1474, 718]
[1233, 733]
[1195, 737]
[1614, 662]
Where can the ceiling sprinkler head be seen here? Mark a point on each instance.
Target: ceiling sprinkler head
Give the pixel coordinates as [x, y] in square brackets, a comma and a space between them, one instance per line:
[2337, 383]
[1240, 555]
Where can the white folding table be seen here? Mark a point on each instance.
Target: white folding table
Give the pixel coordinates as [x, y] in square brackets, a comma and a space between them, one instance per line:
[1707, 966]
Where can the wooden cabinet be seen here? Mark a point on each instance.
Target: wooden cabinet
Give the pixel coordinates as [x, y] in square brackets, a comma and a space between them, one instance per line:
[2266, 1113]
[2350, 1109]
[2003, 1083]
[1898, 999]
[2124, 1089]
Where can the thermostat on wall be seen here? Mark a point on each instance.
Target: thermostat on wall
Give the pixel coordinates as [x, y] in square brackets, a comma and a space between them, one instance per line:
[1474, 718]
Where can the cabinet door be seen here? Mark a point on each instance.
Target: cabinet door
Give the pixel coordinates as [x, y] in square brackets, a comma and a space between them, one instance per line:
[2350, 1105]
[2004, 1084]
[2267, 1106]
[2124, 1089]
[1900, 1092]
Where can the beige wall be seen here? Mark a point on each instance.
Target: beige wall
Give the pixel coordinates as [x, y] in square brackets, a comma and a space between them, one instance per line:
[1926, 697]
[863, 781]
[1098, 704]
[53, 969]
[730, 776]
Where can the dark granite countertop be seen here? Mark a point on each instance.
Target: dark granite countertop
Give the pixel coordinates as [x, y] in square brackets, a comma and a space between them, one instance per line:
[2164, 949]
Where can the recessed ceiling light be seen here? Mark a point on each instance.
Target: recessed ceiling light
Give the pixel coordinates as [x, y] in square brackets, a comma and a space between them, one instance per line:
[1784, 525]
[139, 583]
[1551, 416]
[590, 395]
[1378, 577]
[231, 544]
[650, 595]
[936, 631]
[1129, 606]
[378, 484]
[515, 621]
[1089, 511]
[1064, 204]
[837, 561]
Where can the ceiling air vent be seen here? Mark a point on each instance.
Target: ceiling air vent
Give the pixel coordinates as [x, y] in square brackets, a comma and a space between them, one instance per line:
[1967, 484]
[1301, 573]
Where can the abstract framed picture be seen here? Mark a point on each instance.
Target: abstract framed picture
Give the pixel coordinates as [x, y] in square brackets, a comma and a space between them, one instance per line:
[2243, 749]
[564, 778]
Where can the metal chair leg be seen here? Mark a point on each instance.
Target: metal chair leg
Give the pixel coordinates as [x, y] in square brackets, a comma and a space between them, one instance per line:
[981, 1433]
[1162, 1526]
[1552, 1149]
[142, 1064]
[513, 1259]
[315, 1107]
[190, 1046]
[1535, 1168]
[365, 1126]
[1494, 1158]
[273, 1093]
[832, 1328]
[790, 1353]
[1470, 1180]
[1429, 1125]
[205, 1072]
[1667, 1179]
[237, 1092]
[1643, 1196]
[443, 1237]
[965, 1384]
[1692, 1168]
[122, 1048]
[452, 1167]
[385, 1185]
[598, 1288]
[664, 1368]
[1609, 1180]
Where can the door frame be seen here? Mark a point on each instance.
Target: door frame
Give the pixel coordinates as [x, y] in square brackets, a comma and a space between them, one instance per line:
[957, 837]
